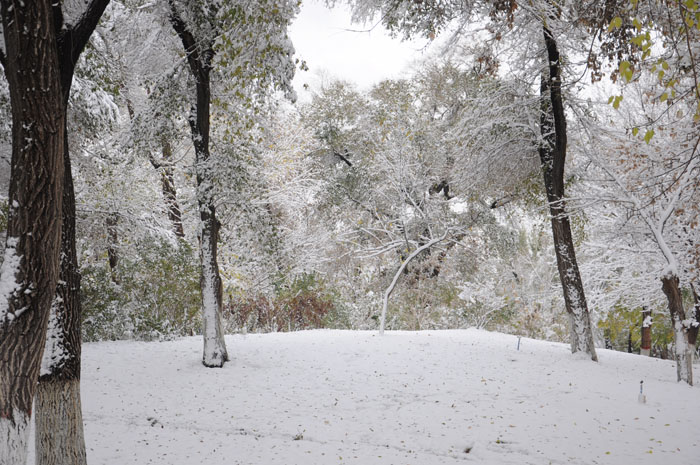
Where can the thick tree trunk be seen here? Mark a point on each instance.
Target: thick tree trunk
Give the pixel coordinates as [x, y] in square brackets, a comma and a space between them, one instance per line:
[684, 356]
[646, 333]
[199, 58]
[58, 417]
[30, 269]
[553, 159]
[59, 423]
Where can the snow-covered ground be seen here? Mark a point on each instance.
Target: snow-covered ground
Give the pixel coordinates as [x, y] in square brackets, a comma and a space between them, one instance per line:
[342, 397]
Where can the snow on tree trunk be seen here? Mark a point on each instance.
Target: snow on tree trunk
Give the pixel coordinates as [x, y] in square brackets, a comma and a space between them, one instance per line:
[404, 264]
[553, 159]
[215, 354]
[199, 58]
[58, 413]
[30, 269]
[646, 333]
[684, 356]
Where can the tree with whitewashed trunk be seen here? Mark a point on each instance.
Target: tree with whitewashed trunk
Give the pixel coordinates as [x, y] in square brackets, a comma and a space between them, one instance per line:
[652, 49]
[30, 269]
[58, 414]
[243, 48]
[654, 182]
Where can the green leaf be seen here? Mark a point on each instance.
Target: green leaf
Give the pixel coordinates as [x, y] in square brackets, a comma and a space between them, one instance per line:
[616, 23]
[649, 134]
[616, 102]
[626, 70]
[635, 131]
[663, 97]
[637, 24]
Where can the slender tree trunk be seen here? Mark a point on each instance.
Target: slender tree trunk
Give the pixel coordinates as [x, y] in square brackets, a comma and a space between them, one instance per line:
[112, 247]
[30, 269]
[684, 356]
[169, 193]
[404, 264]
[694, 322]
[646, 333]
[199, 58]
[58, 417]
[215, 353]
[553, 159]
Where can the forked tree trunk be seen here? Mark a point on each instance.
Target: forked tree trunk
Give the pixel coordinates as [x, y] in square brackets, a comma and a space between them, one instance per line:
[58, 414]
[684, 355]
[646, 333]
[199, 58]
[553, 159]
[30, 269]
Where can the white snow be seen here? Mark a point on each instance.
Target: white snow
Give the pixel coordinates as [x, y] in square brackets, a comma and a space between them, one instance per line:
[341, 397]
[8, 277]
[55, 352]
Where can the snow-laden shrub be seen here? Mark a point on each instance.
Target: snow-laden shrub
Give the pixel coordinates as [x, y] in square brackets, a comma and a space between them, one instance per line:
[152, 294]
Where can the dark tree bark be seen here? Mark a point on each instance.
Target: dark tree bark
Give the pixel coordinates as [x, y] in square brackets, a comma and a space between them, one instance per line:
[553, 159]
[58, 418]
[695, 324]
[31, 266]
[199, 57]
[646, 333]
[59, 424]
[684, 356]
[111, 222]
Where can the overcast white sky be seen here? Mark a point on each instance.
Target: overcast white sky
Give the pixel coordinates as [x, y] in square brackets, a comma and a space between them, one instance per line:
[333, 48]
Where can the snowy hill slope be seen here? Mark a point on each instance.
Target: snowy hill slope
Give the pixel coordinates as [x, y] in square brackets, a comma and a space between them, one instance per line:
[341, 397]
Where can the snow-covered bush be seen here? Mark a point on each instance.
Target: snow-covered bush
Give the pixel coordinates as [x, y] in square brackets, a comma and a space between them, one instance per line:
[153, 294]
